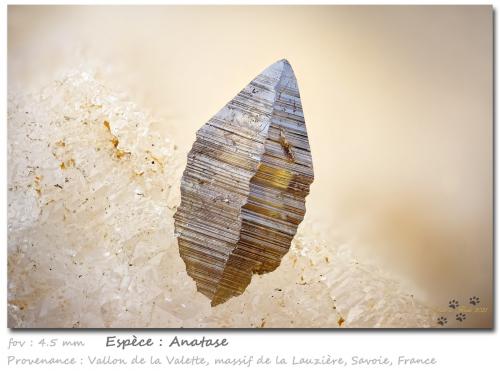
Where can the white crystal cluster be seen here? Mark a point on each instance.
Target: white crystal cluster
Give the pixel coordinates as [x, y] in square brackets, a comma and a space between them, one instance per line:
[92, 189]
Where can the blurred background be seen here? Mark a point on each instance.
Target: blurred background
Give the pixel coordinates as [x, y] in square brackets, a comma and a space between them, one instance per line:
[397, 100]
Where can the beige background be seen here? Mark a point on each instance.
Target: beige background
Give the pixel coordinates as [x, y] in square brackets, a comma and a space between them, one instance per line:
[397, 100]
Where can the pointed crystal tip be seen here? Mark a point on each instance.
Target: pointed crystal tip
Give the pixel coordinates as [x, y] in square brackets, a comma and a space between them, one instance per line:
[283, 62]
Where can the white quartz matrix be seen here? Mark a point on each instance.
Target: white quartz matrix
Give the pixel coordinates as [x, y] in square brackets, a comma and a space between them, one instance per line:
[92, 188]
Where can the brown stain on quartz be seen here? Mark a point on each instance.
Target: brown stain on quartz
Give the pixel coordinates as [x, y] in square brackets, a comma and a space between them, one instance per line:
[119, 153]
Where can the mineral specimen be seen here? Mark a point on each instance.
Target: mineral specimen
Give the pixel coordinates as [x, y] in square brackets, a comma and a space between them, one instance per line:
[244, 187]
[100, 251]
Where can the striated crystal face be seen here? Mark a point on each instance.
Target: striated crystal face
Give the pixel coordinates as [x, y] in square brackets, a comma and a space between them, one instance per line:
[244, 187]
